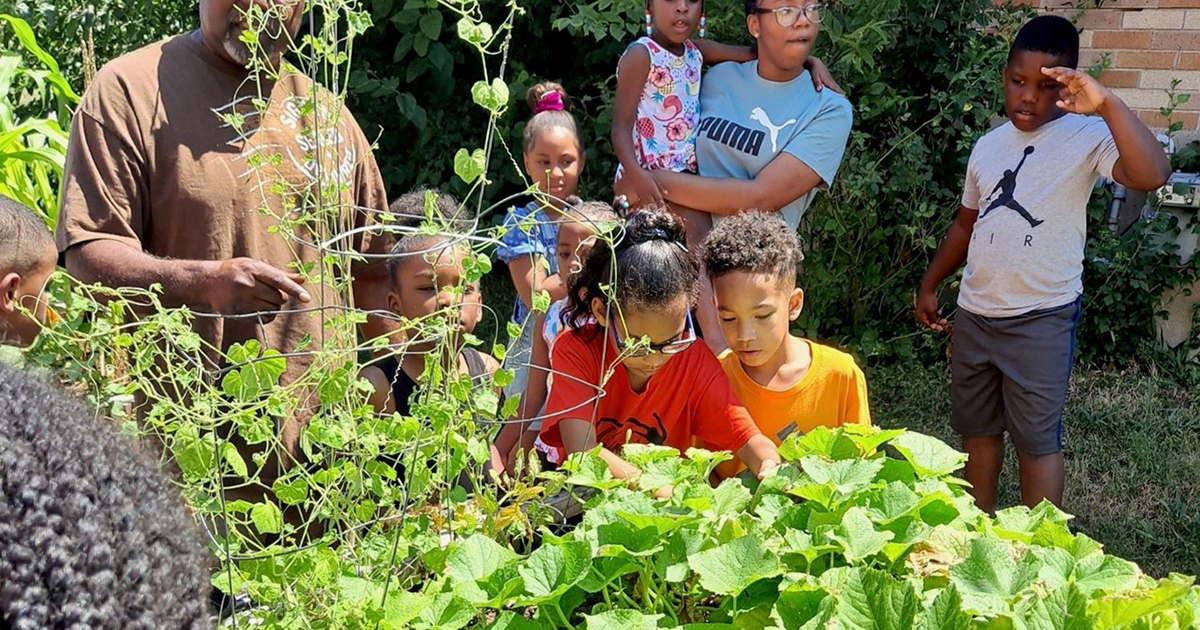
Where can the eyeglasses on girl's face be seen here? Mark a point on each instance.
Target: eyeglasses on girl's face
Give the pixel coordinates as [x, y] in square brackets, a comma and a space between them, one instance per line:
[674, 346]
[787, 16]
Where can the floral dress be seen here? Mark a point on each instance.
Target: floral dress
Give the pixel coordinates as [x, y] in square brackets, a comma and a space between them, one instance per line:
[665, 133]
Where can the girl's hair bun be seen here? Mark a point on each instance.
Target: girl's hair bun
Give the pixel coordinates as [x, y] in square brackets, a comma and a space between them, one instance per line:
[650, 267]
[550, 105]
[655, 225]
[540, 96]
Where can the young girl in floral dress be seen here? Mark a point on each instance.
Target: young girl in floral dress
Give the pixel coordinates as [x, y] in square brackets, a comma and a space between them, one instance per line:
[658, 109]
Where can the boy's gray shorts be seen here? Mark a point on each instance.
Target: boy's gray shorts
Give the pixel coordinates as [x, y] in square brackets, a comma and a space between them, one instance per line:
[1011, 375]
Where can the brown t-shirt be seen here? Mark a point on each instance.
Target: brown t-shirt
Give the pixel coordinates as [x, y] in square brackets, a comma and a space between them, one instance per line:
[151, 163]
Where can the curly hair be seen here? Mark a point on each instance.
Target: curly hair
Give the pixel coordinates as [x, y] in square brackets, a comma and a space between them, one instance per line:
[91, 533]
[651, 263]
[754, 242]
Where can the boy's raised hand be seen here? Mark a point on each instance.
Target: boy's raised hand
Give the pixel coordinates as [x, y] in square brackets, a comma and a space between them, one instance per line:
[928, 312]
[1082, 94]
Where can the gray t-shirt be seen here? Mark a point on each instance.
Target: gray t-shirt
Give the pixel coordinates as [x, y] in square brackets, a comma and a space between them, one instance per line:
[1031, 190]
[746, 120]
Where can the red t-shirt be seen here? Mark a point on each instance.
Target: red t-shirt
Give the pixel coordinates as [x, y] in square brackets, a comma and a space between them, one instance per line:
[690, 397]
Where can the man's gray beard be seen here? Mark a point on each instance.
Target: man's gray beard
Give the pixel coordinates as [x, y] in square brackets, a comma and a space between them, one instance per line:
[237, 51]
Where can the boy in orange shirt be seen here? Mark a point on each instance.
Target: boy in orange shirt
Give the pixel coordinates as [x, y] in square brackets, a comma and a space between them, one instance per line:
[788, 384]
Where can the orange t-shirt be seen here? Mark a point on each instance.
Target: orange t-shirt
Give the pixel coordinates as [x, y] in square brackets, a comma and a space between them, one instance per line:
[688, 398]
[833, 392]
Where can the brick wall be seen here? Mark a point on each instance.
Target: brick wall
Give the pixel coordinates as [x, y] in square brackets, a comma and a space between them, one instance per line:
[1150, 42]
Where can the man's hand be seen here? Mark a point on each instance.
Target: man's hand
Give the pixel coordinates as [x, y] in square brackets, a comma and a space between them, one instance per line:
[244, 285]
[928, 312]
[1082, 94]
[820, 76]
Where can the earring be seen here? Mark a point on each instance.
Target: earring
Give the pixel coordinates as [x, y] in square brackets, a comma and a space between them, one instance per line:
[703, 21]
[649, 28]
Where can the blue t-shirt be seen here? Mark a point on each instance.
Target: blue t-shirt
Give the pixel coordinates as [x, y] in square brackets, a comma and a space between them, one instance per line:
[746, 120]
[528, 231]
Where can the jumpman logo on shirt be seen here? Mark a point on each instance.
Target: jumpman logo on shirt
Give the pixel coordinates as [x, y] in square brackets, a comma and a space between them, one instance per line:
[1008, 190]
[760, 116]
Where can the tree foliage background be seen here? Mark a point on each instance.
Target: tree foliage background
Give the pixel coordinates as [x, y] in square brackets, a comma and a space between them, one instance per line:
[924, 79]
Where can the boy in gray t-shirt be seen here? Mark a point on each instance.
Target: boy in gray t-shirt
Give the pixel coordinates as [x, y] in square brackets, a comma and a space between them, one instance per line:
[1021, 231]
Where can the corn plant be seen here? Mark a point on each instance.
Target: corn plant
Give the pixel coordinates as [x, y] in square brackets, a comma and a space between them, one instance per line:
[32, 149]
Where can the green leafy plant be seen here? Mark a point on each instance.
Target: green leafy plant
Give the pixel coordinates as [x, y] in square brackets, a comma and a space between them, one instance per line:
[32, 146]
[84, 34]
[1126, 274]
[861, 528]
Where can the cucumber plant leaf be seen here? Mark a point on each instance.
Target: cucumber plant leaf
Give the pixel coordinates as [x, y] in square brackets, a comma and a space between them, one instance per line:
[845, 476]
[447, 611]
[605, 570]
[672, 564]
[623, 538]
[589, 471]
[894, 501]
[869, 438]
[1064, 608]
[797, 605]
[621, 619]
[730, 498]
[1121, 609]
[990, 576]
[858, 536]
[929, 456]
[946, 612]
[553, 569]
[822, 442]
[1101, 572]
[402, 607]
[873, 600]
[728, 569]
[477, 558]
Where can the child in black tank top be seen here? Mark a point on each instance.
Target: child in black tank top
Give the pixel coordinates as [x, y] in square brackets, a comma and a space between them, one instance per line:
[427, 273]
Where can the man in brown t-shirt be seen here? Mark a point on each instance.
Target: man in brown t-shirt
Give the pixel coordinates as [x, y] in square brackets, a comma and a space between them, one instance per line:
[176, 175]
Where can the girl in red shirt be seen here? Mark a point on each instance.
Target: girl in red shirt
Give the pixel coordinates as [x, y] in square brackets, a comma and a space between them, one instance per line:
[637, 374]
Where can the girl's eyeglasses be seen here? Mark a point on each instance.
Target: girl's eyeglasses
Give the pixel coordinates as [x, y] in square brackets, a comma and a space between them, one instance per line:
[675, 346]
[787, 16]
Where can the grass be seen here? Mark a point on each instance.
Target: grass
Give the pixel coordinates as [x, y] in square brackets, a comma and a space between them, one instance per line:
[1132, 447]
